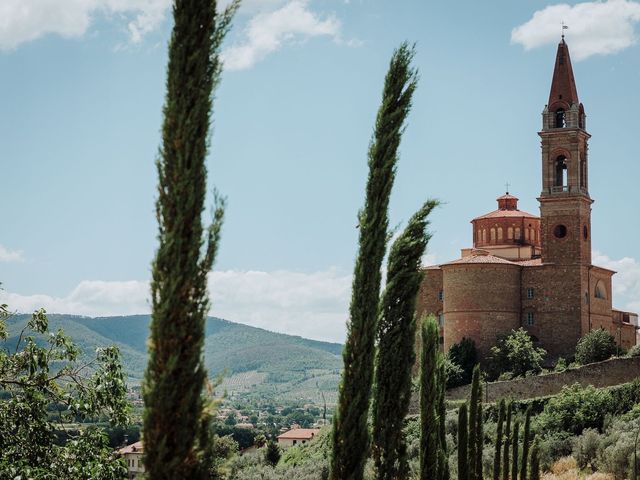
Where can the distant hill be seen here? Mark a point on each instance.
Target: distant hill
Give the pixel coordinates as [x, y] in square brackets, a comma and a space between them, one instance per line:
[257, 363]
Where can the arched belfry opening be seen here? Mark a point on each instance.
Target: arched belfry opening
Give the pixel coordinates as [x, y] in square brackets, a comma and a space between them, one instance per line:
[560, 118]
[561, 173]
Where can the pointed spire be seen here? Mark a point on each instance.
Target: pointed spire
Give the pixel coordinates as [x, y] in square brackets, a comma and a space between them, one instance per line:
[563, 86]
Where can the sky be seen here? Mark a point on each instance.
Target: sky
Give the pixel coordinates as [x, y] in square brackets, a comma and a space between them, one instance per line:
[81, 95]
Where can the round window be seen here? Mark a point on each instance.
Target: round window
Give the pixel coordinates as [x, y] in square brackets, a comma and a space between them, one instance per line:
[585, 232]
[560, 231]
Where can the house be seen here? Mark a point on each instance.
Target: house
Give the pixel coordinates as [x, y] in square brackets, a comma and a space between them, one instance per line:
[133, 457]
[297, 436]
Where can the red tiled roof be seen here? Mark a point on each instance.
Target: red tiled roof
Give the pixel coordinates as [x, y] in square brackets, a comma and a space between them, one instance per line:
[507, 196]
[299, 434]
[506, 213]
[133, 448]
[481, 258]
[534, 262]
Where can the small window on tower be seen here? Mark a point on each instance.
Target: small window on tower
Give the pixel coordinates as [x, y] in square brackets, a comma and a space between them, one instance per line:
[560, 231]
[585, 232]
[441, 319]
[441, 295]
[530, 292]
[560, 118]
[530, 319]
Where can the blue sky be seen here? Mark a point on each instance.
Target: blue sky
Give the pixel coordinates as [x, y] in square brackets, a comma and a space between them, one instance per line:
[82, 88]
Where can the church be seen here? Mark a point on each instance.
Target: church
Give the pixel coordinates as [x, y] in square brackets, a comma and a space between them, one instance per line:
[534, 271]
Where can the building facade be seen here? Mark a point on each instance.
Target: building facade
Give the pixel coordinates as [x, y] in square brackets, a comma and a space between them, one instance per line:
[529, 271]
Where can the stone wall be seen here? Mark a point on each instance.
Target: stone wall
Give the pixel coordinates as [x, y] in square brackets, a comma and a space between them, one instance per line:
[602, 374]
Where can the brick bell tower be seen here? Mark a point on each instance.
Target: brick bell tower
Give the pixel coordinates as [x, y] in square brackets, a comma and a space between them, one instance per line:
[565, 204]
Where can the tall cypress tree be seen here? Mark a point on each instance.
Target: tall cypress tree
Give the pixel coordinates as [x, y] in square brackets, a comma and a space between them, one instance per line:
[497, 455]
[396, 354]
[514, 450]
[507, 440]
[473, 421]
[534, 463]
[525, 445]
[350, 446]
[479, 439]
[463, 457]
[429, 431]
[443, 464]
[175, 376]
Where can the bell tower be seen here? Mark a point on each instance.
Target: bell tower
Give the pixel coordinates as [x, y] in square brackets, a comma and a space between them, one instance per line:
[565, 204]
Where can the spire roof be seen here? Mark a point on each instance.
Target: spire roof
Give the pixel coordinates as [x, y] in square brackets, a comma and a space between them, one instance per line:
[563, 86]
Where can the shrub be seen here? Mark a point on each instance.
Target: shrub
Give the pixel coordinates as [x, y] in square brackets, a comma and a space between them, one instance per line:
[454, 374]
[465, 355]
[585, 447]
[576, 408]
[515, 353]
[595, 346]
[634, 351]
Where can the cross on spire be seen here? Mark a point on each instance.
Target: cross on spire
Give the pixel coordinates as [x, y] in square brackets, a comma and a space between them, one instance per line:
[564, 27]
[507, 185]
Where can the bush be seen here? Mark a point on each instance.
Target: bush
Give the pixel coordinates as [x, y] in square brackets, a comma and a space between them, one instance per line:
[585, 447]
[465, 355]
[595, 346]
[516, 354]
[453, 373]
[576, 408]
[634, 351]
[554, 447]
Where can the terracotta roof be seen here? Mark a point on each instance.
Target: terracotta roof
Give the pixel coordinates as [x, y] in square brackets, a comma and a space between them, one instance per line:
[299, 434]
[480, 258]
[133, 448]
[530, 263]
[508, 196]
[506, 213]
[563, 85]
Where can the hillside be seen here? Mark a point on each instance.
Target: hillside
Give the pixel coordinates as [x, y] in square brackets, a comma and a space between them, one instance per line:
[256, 362]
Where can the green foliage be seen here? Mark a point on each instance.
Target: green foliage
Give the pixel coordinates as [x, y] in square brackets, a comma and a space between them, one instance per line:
[499, 439]
[507, 443]
[514, 450]
[526, 438]
[474, 401]
[463, 457]
[595, 346]
[516, 355]
[396, 339]
[44, 368]
[479, 460]
[443, 464]
[576, 408]
[534, 463]
[464, 355]
[634, 351]
[175, 430]
[585, 447]
[272, 453]
[350, 433]
[429, 430]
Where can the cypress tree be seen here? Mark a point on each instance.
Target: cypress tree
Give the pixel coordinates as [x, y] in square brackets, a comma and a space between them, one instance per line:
[396, 354]
[479, 439]
[514, 450]
[350, 445]
[525, 445]
[534, 462]
[507, 440]
[443, 464]
[497, 456]
[473, 422]
[429, 431]
[463, 458]
[175, 375]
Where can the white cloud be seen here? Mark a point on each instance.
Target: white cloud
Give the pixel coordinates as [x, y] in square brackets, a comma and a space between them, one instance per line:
[312, 305]
[626, 282]
[7, 255]
[595, 28]
[268, 31]
[26, 20]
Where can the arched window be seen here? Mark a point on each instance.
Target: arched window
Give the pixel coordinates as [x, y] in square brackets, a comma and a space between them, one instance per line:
[510, 233]
[583, 172]
[526, 234]
[493, 234]
[560, 118]
[484, 235]
[561, 171]
[499, 233]
[600, 291]
[517, 233]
